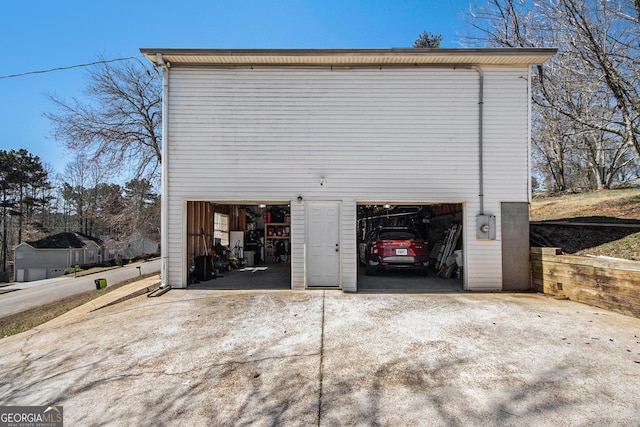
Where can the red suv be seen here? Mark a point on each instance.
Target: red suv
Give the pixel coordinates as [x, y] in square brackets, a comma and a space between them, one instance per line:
[392, 248]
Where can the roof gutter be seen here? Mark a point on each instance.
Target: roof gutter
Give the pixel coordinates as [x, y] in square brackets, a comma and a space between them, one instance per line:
[346, 57]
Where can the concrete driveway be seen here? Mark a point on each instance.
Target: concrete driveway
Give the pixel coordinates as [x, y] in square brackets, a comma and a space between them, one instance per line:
[208, 357]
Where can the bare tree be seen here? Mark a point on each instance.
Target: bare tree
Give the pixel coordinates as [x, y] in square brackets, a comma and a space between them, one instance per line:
[593, 80]
[75, 193]
[96, 208]
[506, 23]
[602, 46]
[552, 147]
[120, 124]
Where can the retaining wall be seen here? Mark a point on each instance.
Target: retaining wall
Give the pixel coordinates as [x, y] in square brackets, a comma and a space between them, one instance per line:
[607, 283]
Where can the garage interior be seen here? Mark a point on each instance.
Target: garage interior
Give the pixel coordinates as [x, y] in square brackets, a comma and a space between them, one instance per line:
[238, 246]
[439, 225]
[247, 246]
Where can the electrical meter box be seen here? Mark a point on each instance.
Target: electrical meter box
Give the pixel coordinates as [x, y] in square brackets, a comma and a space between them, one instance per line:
[486, 227]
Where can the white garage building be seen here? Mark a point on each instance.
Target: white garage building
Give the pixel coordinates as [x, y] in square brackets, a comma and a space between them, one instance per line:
[323, 132]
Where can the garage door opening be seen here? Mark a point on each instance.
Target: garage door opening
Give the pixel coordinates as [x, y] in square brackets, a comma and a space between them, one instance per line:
[416, 248]
[238, 246]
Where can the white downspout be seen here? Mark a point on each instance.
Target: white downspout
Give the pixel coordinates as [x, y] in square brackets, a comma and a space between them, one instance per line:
[529, 141]
[164, 202]
[480, 137]
[480, 133]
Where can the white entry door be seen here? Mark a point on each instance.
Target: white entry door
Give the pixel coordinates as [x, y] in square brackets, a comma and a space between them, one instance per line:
[323, 244]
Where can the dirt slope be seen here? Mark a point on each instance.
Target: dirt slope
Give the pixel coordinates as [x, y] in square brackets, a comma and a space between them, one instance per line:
[610, 206]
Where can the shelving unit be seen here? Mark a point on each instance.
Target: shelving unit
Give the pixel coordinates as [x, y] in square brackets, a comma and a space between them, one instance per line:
[276, 233]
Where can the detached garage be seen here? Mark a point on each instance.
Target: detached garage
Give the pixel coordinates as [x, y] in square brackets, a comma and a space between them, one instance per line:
[339, 143]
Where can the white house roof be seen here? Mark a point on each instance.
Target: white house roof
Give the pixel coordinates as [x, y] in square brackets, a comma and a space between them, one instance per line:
[350, 57]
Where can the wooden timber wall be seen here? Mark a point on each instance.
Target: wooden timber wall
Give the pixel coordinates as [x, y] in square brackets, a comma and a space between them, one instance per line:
[200, 225]
[601, 282]
[199, 228]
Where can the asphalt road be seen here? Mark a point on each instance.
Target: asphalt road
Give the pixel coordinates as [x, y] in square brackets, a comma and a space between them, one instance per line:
[32, 294]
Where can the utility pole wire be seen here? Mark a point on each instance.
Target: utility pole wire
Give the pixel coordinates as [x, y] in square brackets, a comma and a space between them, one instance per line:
[70, 67]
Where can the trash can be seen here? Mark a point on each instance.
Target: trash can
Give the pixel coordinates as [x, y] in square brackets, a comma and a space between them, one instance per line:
[101, 283]
[255, 248]
[248, 258]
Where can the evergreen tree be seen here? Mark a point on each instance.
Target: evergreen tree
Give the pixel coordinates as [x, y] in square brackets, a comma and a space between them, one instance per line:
[428, 40]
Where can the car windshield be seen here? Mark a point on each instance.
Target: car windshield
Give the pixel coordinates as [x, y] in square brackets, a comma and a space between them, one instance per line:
[396, 235]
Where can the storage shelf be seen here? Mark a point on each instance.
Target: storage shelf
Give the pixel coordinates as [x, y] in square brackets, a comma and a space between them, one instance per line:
[274, 225]
[270, 251]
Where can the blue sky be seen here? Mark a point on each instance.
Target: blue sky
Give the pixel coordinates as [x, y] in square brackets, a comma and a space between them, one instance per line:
[45, 34]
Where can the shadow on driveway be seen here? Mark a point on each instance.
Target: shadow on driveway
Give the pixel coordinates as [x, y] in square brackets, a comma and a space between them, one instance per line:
[206, 357]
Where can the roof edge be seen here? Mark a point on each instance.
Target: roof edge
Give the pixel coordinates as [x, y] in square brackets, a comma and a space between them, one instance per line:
[203, 56]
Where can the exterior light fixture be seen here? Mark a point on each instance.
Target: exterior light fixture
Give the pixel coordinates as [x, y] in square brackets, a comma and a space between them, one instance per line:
[299, 199]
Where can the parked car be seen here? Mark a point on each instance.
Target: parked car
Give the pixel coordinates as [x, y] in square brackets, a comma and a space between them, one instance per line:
[392, 248]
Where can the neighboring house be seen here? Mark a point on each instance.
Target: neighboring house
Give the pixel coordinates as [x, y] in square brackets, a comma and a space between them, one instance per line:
[49, 257]
[130, 247]
[323, 133]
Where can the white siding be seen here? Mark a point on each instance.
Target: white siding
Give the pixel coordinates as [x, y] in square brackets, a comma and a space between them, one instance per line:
[297, 241]
[506, 168]
[349, 246]
[390, 134]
